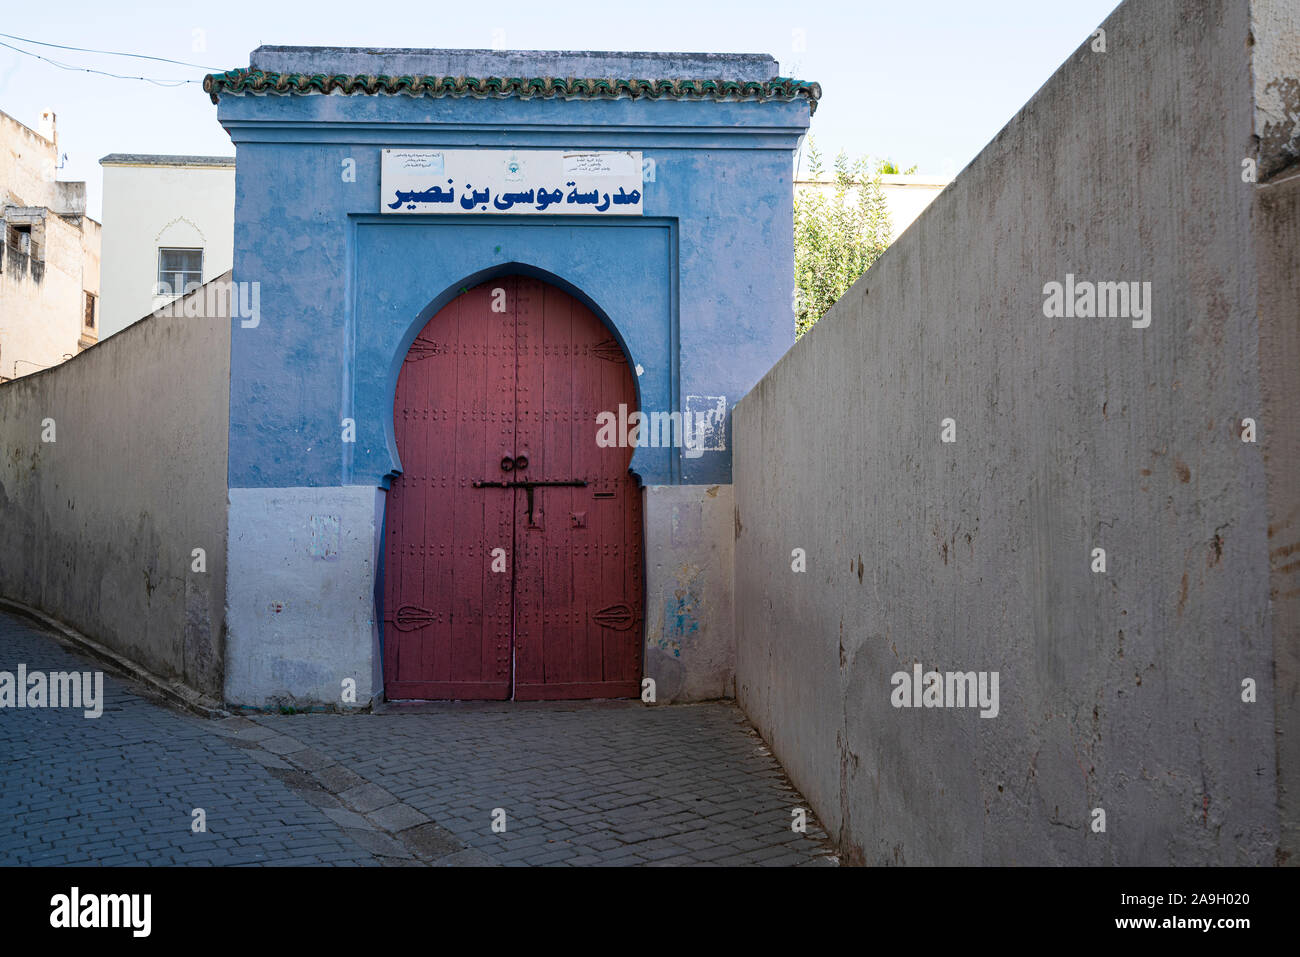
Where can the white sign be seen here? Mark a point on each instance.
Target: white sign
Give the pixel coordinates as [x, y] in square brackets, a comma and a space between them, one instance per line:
[510, 181]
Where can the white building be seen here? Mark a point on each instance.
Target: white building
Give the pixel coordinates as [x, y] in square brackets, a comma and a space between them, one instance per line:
[906, 196]
[169, 221]
[49, 254]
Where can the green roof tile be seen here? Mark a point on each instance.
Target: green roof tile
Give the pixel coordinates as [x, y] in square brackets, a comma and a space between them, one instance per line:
[243, 81]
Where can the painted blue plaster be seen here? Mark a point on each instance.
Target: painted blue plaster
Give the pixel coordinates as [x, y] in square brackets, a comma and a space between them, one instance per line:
[634, 300]
[697, 291]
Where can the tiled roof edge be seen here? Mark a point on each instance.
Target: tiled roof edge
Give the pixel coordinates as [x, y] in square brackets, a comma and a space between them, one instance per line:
[257, 81]
[162, 159]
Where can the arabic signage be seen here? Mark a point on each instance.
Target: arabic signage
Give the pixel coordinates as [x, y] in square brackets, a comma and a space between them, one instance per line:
[510, 181]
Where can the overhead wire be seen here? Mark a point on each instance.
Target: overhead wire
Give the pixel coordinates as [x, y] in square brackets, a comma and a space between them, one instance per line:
[85, 69]
[138, 56]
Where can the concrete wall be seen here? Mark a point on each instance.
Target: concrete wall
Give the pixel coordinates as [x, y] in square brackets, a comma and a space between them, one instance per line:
[1276, 214]
[1120, 691]
[151, 202]
[100, 523]
[290, 646]
[690, 647]
[1277, 219]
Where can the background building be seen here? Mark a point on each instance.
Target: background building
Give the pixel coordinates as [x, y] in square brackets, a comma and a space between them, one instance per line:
[49, 254]
[169, 222]
[906, 195]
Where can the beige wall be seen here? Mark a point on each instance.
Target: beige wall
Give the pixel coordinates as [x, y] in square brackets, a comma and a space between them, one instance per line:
[42, 304]
[27, 165]
[42, 298]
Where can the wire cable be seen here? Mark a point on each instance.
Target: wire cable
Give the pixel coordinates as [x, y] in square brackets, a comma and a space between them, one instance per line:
[138, 56]
[86, 69]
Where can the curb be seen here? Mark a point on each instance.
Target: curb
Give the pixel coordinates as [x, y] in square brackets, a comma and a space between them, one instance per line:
[173, 692]
[393, 832]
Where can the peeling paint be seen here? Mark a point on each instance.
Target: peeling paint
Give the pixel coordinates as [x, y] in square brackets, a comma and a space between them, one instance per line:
[324, 543]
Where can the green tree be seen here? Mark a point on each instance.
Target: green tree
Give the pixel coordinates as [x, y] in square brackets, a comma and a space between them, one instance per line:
[839, 231]
[890, 168]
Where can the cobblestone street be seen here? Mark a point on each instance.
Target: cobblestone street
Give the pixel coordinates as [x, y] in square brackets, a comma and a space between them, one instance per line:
[602, 783]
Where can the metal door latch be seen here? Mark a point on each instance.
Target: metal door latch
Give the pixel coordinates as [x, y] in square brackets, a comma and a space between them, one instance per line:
[528, 487]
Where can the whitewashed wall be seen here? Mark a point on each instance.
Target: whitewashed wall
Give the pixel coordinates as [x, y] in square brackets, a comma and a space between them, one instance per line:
[152, 202]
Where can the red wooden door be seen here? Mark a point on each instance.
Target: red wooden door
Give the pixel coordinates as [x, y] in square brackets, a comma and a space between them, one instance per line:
[447, 615]
[508, 400]
[578, 607]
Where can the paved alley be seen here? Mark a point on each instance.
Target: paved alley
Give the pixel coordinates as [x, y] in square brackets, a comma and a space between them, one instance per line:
[602, 783]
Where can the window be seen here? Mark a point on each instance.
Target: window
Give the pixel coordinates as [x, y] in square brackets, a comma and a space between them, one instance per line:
[24, 240]
[90, 310]
[177, 269]
[20, 238]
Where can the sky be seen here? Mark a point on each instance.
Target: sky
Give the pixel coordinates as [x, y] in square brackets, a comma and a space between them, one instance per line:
[925, 83]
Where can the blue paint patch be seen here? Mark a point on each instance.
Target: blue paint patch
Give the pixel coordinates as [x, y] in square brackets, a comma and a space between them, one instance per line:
[681, 621]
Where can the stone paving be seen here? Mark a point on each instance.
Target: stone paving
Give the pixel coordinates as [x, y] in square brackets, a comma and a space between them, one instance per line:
[599, 783]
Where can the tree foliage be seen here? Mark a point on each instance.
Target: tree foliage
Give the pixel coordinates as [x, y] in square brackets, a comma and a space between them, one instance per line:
[839, 231]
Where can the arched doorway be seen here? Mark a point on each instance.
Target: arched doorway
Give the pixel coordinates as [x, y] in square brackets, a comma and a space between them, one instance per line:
[513, 552]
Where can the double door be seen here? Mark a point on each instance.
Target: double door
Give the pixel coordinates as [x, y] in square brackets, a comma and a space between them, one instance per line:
[513, 540]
